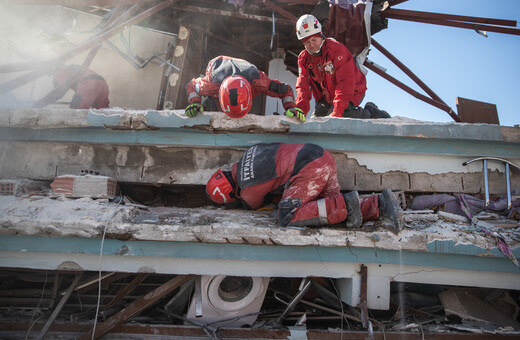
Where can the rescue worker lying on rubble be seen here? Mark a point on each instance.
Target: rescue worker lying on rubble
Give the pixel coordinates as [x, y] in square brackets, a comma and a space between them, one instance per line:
[235, 82]
[306, 177]
[328, 72]
[91, 89]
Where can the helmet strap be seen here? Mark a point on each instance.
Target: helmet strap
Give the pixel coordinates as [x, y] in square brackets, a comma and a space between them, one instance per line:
[229, 177]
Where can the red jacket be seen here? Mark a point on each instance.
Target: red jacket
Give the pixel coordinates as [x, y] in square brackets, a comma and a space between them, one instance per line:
[333, 76]
[267, 169]
[91, 88]
[306, 177]
[221, 67]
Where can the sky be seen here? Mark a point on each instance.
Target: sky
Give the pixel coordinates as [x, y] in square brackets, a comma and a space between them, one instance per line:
[453, 62]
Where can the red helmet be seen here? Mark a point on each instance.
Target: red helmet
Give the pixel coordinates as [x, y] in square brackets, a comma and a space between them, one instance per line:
[219, 188]
[235, 96]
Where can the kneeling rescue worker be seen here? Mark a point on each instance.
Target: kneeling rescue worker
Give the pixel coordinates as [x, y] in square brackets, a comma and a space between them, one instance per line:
[236, 82]
[306, 177]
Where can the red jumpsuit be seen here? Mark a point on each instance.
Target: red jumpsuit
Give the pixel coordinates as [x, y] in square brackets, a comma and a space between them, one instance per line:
[91, 90]
[221, 67]
[305, 175]
[332, 76]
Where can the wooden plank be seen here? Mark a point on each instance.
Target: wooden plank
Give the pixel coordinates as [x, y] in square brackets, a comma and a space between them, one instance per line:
[472, 111]
[147, 332]
[175, 89]
[136, 307]
[58, 308]
[127, 289]
[363, 302]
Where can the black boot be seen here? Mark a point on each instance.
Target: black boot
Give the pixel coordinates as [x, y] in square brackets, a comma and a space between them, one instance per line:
[375, 112]
[389, 207]
[354, 217]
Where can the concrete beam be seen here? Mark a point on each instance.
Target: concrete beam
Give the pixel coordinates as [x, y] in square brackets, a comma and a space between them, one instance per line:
[174, 165]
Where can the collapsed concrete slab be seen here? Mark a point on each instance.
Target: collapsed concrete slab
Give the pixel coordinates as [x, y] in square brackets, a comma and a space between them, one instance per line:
[47, 233]
[166, 147]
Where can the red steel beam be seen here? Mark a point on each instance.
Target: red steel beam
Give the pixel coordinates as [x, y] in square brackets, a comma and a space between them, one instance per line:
[458, 24]
[414, 93]
[407, 71]
[280, 10]
[463, 18]
[396, 2]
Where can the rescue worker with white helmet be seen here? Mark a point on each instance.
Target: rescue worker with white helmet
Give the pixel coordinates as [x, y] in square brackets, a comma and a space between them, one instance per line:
[327, 71]
[235, 82]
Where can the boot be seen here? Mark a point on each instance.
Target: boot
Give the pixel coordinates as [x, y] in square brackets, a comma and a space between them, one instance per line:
[389, 207]
[375, 112]
[354, 217]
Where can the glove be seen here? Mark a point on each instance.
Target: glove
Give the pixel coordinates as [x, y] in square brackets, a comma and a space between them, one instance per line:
[193, 109]
[295, 112]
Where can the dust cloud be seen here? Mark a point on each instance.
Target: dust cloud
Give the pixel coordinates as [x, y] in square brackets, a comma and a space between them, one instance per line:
[31, 35]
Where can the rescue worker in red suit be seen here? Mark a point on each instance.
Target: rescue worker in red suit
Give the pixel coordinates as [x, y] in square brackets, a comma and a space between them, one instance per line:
[306, 177]
[91, 89]
[328, 71]
[221, 68]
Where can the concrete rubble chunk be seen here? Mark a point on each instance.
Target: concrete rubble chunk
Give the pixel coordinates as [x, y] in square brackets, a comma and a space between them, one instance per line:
[18, 187]
[469, 307]
[449, 217]
[8, 187]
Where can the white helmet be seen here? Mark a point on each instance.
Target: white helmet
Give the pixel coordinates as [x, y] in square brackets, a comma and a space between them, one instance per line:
[306, 26]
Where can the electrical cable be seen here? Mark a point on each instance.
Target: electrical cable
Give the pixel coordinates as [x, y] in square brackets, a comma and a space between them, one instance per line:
[341, 305]
[38, 306]
[100, 258]
[34, 323]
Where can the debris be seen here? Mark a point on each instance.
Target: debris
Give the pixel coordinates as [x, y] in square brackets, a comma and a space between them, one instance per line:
[502, 245]
[470, 307]
[19, 187]
[8, 187]
[85, 186]
[481, 328]
[449, 217]
[420, 217]
[418, 212]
